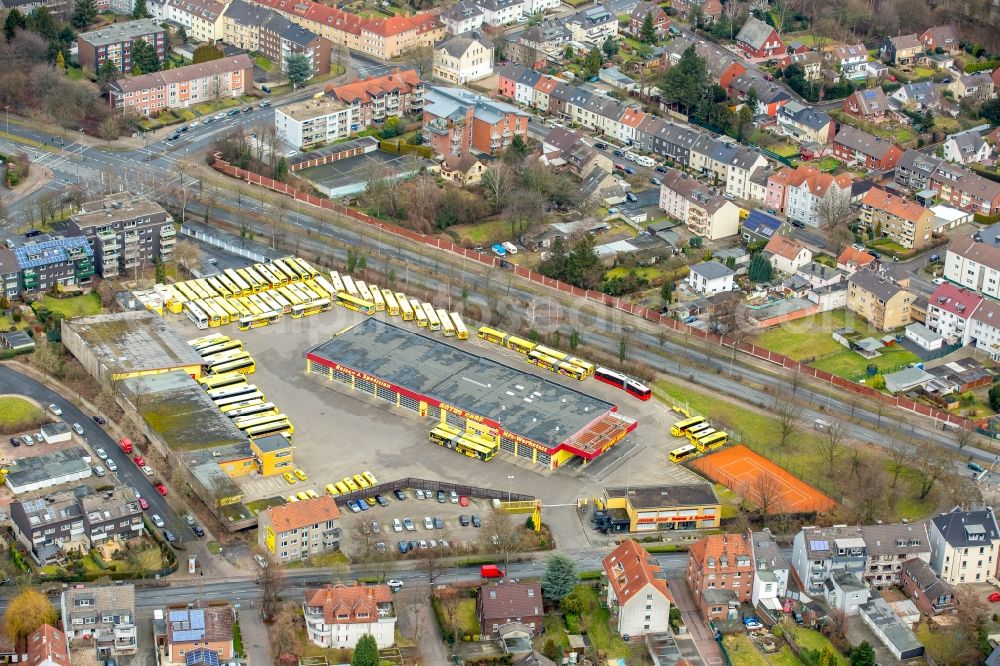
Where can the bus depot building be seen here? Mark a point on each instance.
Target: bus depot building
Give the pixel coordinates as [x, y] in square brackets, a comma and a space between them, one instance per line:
[687, 506]
[530, 417]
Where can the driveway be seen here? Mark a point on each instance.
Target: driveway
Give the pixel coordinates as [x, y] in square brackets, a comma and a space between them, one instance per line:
[699, 630]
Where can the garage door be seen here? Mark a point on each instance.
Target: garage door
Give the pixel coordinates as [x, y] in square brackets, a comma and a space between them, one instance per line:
[454, 420]
[364, 385]
[544, 459]
[342, 377]
[386, 394]
[507, 444]
[409, 403]
[319, 369]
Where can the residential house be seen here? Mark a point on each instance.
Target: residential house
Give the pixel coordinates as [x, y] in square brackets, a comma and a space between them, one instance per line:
[850, 59]
[518, 83]
[904, 222]
[818, 552]
[973, 261]
[759, 40]
[457, 121]
[198, 627]
[844, 591]
[917, 96]
[463, 16]
[637, 590]
[961, 188]
[720, 573]
[727, 162]
[860, 148]
[337, 616]
[125, 231]
[591, 27]
[964, 546]
[817, 275]
[463, 170]
[944, 37]
[40, 264]
[706, 214]
[710, 277]
[855, 258]
[506, 602]
[203, 19]
[770, 96]
[770, 571]
[759, 227]
[104, 612]
[967, 148]
[978, 86]
[636, 18]
[66, 522]
[950, 310]
[114, 42]
[249, 26]
[181, 87]
[931, 595]
[47, 646]
[786, 254]
[889, 545]
[299, 530]
[567, 148]
[879, 300]
[868, 105]
[538, 44]
[902, 51]
[316, 120]
[666, 139]
[463, 58]
[914, 170]
[811, 63]
[800, 193]
[710, 10]
[376, 98]
[804, 123]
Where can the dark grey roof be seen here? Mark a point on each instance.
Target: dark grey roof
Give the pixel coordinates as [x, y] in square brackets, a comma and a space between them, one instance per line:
[754, 32]
[465, 9]
[458, 45]
[766, 553]
[925, 578]
[960, 528]
[711, 270]
[913, 160]
[25, 471]
[893, 631]
[726, 152]
[873, 282]
[652, 497]
[867, 144]
[846, 581]
[805, 115]
[896, 539]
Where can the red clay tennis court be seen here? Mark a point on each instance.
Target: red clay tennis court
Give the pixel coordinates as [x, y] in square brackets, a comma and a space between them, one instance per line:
[748, 474]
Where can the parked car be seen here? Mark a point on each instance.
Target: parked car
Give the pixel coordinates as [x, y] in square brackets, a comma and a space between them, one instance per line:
[408, 524]
[143, 504]
[441, 497]
[752, 623]
[98, 471]
[403, 547]
[454, 497]
[55, 410]
[99, 420]
[266, 103]
[655, 181]
[438, 523]
[112, 465]
[169, 536]
[419, 493]
[629, 170]
[618, 153]
[162, 489]
[601, 146]
[463, 520]
[198, 531]
[397, 525]
[78, 429]
[174, 136]
[147, 470]
[476, 522]
[14, 441]
[939, 281]
[101, 453]
[428, 523]
[38, 438]
[394, 584]
[189, 519]
[661, 169]
[157, 520]
[400, 495]
[28, 440]
[260, 560]
[353, 506]
[382, 500]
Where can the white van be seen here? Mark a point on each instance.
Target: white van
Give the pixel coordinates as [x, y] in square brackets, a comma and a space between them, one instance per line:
[632, 157]
[510, 247]
[646, 161]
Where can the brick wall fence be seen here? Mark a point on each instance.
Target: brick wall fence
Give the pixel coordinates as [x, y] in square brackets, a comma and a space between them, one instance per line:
[610, 301]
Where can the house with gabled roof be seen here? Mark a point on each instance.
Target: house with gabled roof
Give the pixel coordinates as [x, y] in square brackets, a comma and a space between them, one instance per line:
[463, 58]
[919, 95]
[878, 299]
[720, 573]
[636, 18]
[104, 612]
[759, 227]
[902, 51]
[931, 595]
[967, 148]
[868, 105]
[857, 147]
[787, 254]
[978, 85]
[759, 40]
[47, 646]
[950, 310]
[506, 602]
[397, 93]
[944, 37]
[197, 627]
[805, 123]
[337, 616]
[853, 259]
[851, 60]
[964, 545]
[638, 593]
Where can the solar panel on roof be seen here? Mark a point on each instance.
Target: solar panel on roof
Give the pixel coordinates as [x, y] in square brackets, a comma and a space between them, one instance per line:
[197, 619]
[202, 656]
[819, 545]
[178, 616]
[188, 635]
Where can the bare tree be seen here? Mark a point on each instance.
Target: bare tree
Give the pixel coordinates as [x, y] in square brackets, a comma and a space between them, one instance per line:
[963, 437]
[431, 564]
[501, 535]
[282, 631]
[498, 181]
[834, 207]
[832, 446]
[187, 254]
[450, 603]
[871, 492]
[364, 540]
[781, 11]
[765, 492]
[422, 58]
[963, 491]
[271, 579]
[789, 418]
[902, 455]
[929, 469]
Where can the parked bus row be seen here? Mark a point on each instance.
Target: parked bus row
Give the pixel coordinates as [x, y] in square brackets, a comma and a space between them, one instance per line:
[550, 359]
[222, 355]
[701, 436]
[464, 442]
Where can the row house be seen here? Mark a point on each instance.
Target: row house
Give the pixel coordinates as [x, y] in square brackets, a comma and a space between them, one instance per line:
[986, 328]
[203, 19]
[381, 38]
[255, 28]
[65, 522]
[961, 188]
[593, 26]
[799, 192]
[868, 105]
[637, 17]
[950, 310]
[851, 60]
[46, 646]
[759, 40]
[463, 58]
[902, 51]
[931, 595]
[944, 37]
[966, 148]
[889, 546]
[859, 148]
[638, 594]
[891, 216]
[463, 16]
[728, 162]
[720, 574]
[819, 552]
[104, 612]
[804, 123]
[667, 139]
[883, 302]
[770, 571]
[914, 170]
[114, 43]
[457, 121]
[854, 258]
[517, 83]
[705, 213]
[964, 546]
[973, 261]
[181, 87]
[337, 616]
[376, 98]
[977, 86]
[473, 14]
[41, 264]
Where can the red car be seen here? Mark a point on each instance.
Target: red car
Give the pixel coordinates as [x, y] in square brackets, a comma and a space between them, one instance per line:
[143, 504]
[139, 461]
[463, 501]
[994, 597]
[162, 489]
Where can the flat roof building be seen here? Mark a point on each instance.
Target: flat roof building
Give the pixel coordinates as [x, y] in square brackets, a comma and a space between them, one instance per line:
[48, 469]
[664, 507]
[531, 417]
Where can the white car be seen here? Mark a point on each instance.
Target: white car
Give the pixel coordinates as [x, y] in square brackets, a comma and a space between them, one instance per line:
[101, 453]
[55, 410]
[219, 116]
[147, 470]
[397, 525]
[157, 520]
[454, 497]
[193, 124]
[394, 584]
[112, 465]
[78, 429]
[939, 281]
[261, 561]
[419, 493]
[428, 523]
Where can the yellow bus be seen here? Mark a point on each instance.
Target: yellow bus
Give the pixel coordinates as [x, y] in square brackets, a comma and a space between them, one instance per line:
[278, 274]
[370, 478]
[251, 280]
[492, 335]
[222, 312]
[262, 284]
[223, 355]
[248, 305]
[310, 293]
[300, 291]
[567, 369]
[268, 299]
[227, 345]
[238, 304]
[173, 299]
[363, 291]
[269, 277]
[201, 288]
[461, 332]
[228, 306]
[391, 304]
[350, 484]
[444, 434]
[338, 284]
[587, 366]
[543, 361]
[342, 487]
[433, 323]
[230, 391]
[210, 314]
[289, 295]
[714, 441]
[208, 340]
[332, 490]
[405, 309]
[279, 266]
[520, 345]
[447, 327]
[307, 267]
[257, 321]
[349, 285]
[307, 309]
[682, 453]
[215, 283]
[184, 292]
[262, 409]
[694, 435]
[477, 447]
[245, 366]
[284, 305]
[258, 301]
[244, 400]
[296, 270]
[678, 429]
[245, 404]
[275, 428]
[229, 284]
[418, 313]
[362, 482]
[378, 299]
[549, 351]
[242, 285]
[356, 304]
[220, 381]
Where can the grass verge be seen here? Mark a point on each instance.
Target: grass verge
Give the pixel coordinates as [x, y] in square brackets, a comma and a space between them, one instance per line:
[78, 306]
[17, 414]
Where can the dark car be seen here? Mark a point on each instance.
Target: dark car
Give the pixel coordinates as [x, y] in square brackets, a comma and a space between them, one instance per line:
[798, 617]
[169, 536]
[412, 545]
[800, 225]
[248, 109]
[403, 547]
[198, 531]
[234, 112]
[400, 495]
[463, 520]
[618, 153]
[661, 169]
[14, 441]
[476, 522]
[441, 497]
[629, 170]
[99, 420]
[174, 136]
[184, 129]
[382, 501]
[601, 146]
[438, 523]
[31, 233]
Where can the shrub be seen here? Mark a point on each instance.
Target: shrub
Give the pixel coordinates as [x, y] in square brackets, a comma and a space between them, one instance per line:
[572, 623]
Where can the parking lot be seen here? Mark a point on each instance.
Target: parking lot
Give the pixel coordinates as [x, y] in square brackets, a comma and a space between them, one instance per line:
[341, 433]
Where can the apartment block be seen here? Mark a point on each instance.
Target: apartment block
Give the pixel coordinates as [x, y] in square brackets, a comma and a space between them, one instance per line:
[950, 311]
[202, 18]
[973, 261]
[818, 552]
[104, 612]
[799, 192]
[705, 213]
[43, 263]
[463, 58]
[255, 28]
[376, 98]
[637, 590]
[771, 571]
[900, 220]
[720, 574]
[964, 546]
[181, 87]
[125, 233]
[114, 42]
[879, 300]
[889, 546]
[337, 616]
[315, 120]
[457, 121]
[300, 530]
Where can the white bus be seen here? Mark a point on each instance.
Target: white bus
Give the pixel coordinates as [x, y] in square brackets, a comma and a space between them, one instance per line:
[325, 285]
[196, 315]
[349, 285]
[364, 292]
[338, 284]
[433, 323]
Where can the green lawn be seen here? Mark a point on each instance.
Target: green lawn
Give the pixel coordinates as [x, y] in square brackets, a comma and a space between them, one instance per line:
[743, 652]
[468, 623]
[237, 639]
[263, 63]
[811, 336]
[259, 505]
[648, 272]
[903, 135]
[599, 631]
[17, 414]
[78, 306]
[829, 164]
[815, 641]
[784, 149]
[850, 365]
[483, 233]
[75, 74]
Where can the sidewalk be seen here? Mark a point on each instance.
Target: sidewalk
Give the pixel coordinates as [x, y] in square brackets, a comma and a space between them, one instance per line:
[255, 637]
[698, 629]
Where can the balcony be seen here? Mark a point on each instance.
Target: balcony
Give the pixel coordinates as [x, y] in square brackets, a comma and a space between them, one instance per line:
[313, 613]
[167, 231]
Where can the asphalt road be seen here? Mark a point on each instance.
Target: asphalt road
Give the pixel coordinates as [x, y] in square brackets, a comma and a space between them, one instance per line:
[129, 475]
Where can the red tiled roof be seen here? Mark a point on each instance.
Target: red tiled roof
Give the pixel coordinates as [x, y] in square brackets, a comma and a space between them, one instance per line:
[630, 568]
[295, 515]
[894, 205]
[364, 90]
[957, 301]
[817, 182]
[852, 255]
[783, 246]
[352, 23]
[343, 604]
[507, 599]
[717, 546]
[47, 645]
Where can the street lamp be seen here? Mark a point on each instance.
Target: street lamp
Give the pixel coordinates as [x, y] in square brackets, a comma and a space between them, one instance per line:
[509, 480]
[7, 113]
